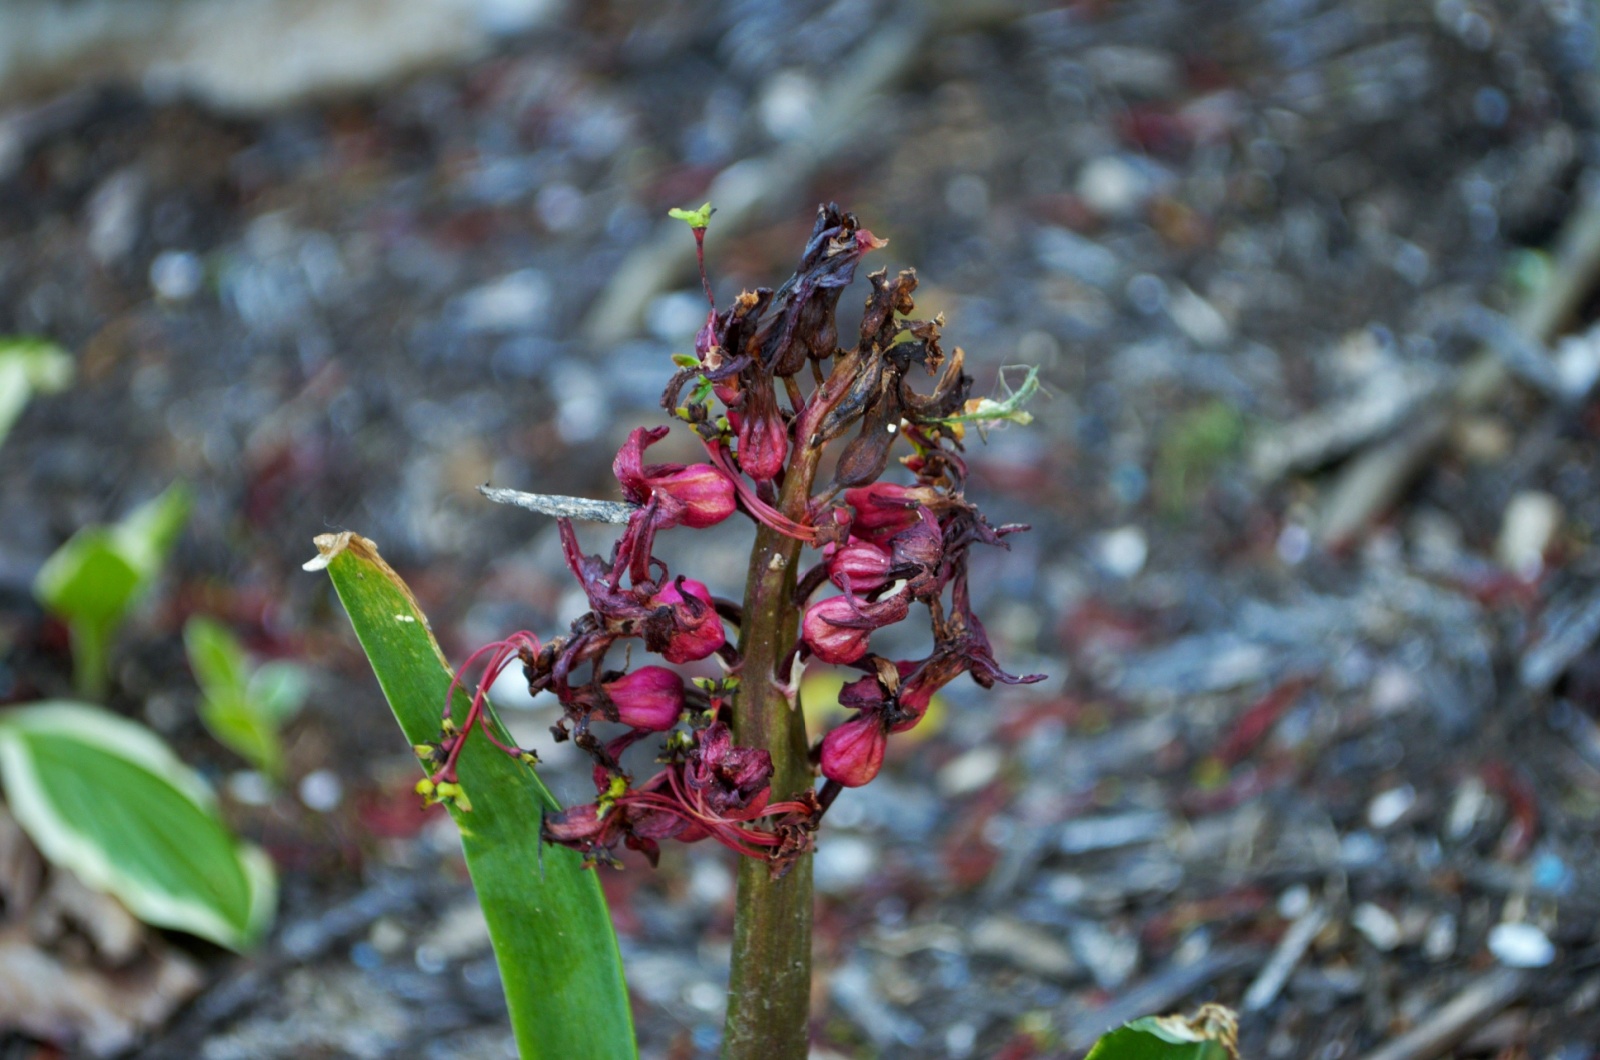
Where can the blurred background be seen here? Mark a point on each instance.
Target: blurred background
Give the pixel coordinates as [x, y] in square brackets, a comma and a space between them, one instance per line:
[1313, 486]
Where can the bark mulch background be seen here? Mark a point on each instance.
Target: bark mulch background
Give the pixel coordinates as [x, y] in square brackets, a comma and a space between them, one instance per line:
[1325, 753]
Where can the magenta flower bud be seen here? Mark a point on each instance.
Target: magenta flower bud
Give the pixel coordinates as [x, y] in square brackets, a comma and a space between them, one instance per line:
[859, 567]
[828, 638]
[697, 495]
[883, 509]
[704, 494]
[836, 629]
[649, 698]
[696, 631]
[852, 753]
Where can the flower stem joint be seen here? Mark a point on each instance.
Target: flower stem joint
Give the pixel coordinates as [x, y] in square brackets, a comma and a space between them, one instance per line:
[772, 390]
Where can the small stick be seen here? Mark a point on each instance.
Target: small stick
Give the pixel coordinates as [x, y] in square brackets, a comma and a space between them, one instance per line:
[1290, 949]
[563, 507]
[1375, 479]
[1482, 998]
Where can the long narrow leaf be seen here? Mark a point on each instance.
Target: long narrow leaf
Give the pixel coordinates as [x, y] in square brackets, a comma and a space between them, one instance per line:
[552, 935]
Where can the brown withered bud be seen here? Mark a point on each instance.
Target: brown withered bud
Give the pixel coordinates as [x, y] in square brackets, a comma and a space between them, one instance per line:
[803, 325]
[866, 457]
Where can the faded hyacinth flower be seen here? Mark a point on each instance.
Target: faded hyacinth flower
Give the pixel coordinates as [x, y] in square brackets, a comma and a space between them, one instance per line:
[768, 385]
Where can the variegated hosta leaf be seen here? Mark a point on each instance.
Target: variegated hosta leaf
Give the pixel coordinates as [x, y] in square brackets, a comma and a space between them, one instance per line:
[105, 797]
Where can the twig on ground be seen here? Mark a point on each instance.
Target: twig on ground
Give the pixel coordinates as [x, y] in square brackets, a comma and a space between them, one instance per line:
[1158, 993]
[1290, 949]
[755, 187]
[1375, 479]
[1482, 998]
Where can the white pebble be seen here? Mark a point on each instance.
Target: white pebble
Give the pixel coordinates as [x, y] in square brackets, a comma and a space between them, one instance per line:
[176, 275]
[710, 882]
[971, 771]
[843, 863]
[1521, 946]
[1529, 526]
[1122, 551]
[1440, 941]
[1388, 807]
[1377, 924]
[250, 788]
[321, 790]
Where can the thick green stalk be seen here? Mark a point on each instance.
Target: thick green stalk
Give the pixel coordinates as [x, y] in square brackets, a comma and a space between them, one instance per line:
[91, 674]
[769, 989]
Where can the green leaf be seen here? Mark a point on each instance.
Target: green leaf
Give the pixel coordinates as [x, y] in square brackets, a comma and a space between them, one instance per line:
[94, 579]
[552, 935]
[28, 367]
[148, 533]
[105, 797]
[278, 690]
[242, 709]
[686, 360]
[693, 218]
[1211, 1034]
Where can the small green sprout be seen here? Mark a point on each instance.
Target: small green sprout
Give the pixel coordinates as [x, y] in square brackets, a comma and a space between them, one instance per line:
[242, 706]
[697, 219]
[28, 367]
[93, 580]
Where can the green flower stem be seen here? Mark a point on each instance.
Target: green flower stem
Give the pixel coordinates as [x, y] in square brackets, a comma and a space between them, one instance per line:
[769, 993]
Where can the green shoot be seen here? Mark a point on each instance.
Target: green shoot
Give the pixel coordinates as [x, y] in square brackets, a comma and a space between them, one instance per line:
[243, 707]
[28, 367]
[94, 580]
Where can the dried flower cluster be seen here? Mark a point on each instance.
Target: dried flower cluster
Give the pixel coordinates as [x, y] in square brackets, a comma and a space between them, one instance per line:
[886, 547]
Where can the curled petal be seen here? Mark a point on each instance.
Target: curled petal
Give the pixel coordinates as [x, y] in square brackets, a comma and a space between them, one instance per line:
[852, 753]
[629, 463]
[697, 495]
[883, 510]
[919, 545]
[688, 628]
[584, 829]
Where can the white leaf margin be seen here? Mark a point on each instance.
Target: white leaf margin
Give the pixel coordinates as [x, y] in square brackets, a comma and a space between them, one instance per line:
[65, 845]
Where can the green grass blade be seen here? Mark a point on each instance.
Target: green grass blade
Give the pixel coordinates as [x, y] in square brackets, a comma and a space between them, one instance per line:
[552, 933]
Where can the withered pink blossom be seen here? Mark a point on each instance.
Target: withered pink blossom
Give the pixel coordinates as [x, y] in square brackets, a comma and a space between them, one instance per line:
[693, 495]
[692, 629]
[883, 510]
[859, 567]
[713, 790]
[763, 436]
[836, 629]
